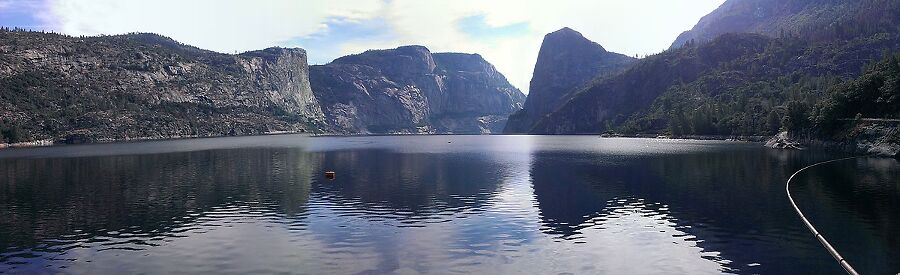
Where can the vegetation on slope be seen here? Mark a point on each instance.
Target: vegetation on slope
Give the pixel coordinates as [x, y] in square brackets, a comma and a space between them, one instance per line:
[737, 84]
[849, 109]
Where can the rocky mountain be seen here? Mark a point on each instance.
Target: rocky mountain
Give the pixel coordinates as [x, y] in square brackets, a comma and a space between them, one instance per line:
[411, 90]
[756, 84]
[736, 84]
[57, 88]
[809, 19]
[566, 61]
[135, 86]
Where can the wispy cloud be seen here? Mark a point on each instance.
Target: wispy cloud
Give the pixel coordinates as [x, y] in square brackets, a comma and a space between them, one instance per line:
[220, 25]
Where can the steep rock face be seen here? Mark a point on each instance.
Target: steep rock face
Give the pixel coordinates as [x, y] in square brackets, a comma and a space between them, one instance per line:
[567, 61]
[411, 90]
[751, 67]
[611, 101]
[476, 98]
[813, 19]
[146, 86]
[408, 65]
[283, 74]
[736, 84]
[360, 99]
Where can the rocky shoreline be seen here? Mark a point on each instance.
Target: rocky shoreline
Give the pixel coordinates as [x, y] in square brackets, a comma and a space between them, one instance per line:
[879, 145]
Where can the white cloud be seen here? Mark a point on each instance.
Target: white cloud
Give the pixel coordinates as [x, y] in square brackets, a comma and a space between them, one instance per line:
[625, 26]
[219, 25]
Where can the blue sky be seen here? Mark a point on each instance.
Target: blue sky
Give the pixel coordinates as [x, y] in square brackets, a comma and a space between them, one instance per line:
[339, 31]
[477, 28]
[23, 14]
[507, 33]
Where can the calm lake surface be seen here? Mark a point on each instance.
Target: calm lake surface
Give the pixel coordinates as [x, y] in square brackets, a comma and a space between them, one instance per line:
[441, 204]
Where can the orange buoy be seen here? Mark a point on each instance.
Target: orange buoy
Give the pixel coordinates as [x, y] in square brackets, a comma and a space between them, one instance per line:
[330, 175]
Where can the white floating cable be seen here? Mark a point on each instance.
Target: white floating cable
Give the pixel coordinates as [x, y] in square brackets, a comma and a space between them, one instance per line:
[837, 256]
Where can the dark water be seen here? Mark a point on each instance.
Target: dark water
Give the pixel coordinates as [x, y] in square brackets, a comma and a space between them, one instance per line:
[409, 205]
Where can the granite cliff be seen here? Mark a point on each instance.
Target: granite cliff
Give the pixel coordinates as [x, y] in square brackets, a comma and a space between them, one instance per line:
[566, 61]
[755, 68]
[60, 88]
[411, 90]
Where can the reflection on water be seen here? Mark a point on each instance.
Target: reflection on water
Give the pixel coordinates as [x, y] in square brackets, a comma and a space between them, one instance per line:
[439, 204]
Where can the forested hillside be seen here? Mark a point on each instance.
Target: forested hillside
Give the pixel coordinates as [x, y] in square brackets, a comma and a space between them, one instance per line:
[737, 84]
[751, 83]
[758, 93]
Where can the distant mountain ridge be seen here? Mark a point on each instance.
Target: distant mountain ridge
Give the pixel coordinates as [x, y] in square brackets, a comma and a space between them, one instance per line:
[809, 19]
[566, 61]
[411, 90]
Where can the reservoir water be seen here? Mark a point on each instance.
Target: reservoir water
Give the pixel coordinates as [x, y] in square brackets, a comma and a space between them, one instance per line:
[441, 205]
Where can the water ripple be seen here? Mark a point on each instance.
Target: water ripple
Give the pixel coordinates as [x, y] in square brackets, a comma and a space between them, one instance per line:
[488, 205]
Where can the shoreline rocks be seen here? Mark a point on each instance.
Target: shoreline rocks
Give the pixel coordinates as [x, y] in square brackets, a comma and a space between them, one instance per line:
[872, 144]
[783, 141]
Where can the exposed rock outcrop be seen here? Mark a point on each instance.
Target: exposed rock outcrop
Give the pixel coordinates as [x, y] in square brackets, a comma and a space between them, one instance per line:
[783, 141]
[476, 98]
[873, 139]
[866, 138]
[360, 99]
[411, 90]
[607, 103]
[284, 75]
[566, 62]
[141, 86]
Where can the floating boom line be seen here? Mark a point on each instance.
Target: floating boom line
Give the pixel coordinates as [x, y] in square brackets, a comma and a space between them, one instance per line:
[837, 256]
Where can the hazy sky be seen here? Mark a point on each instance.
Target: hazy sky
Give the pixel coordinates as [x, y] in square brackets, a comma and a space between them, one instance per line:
[507, 33]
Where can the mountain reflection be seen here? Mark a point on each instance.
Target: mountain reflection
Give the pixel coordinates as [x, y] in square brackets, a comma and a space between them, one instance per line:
[409, 184]
[569, 191]
[488, 205]
[739, 189]
[50, 199]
